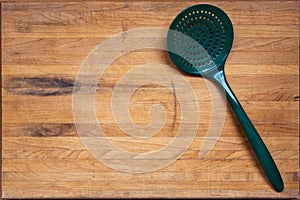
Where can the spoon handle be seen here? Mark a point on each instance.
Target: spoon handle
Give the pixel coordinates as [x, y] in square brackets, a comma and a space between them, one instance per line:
[255, 140]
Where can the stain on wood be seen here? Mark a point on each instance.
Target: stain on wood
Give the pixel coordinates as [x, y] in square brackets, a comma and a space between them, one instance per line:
[41, 86]
[50, 130]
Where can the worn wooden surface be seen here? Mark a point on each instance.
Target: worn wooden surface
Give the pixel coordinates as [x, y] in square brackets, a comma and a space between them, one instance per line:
[43, 46]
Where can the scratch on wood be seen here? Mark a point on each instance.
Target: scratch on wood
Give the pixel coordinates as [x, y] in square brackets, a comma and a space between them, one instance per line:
[41, 86]
[174, 106]
[24, 29]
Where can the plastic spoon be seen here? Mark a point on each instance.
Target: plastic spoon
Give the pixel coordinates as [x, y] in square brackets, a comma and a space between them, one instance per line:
[212, 29]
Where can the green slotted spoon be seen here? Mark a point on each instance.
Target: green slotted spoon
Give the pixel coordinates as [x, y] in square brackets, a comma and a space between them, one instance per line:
[210, 27]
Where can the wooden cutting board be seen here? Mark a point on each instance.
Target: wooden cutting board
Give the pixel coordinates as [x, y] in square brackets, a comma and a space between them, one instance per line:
[43, 47]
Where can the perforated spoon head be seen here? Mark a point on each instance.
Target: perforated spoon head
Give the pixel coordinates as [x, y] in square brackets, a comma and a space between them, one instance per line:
[211, 28]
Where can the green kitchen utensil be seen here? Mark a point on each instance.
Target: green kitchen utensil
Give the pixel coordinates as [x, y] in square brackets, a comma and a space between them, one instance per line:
[210, 27]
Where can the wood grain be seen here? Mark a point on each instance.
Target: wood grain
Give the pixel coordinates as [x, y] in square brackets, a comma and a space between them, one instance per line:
[43, 46]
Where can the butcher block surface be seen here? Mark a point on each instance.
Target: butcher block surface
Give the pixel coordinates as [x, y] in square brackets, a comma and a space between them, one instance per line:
[43, 45]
